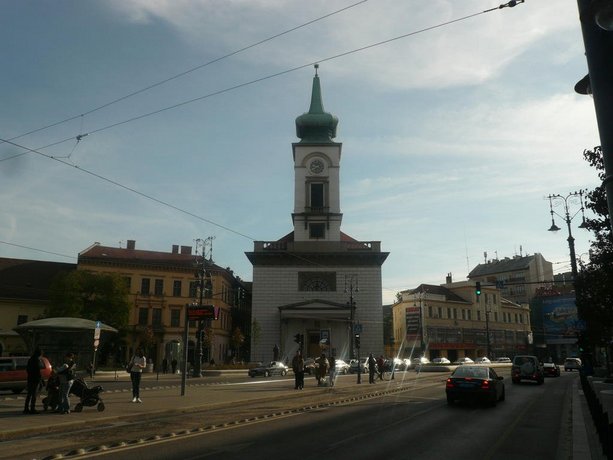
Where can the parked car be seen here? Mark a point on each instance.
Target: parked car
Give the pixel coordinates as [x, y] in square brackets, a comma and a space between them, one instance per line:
[354, 366]
[483, 360]
[503, 359]
[399, 364]
[341, 366]
[526, 367]
[310, 365]
[551, 369]
[419, 361]
[464, 360]
[273, 368]
[13, 374]
[441, 361]
[571, 364]
[475, 383]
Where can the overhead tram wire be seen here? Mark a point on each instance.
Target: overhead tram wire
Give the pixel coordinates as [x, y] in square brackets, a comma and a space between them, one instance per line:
[36, 249]
[125, 187]
[188, 71]
[268, 77]
[511, 3]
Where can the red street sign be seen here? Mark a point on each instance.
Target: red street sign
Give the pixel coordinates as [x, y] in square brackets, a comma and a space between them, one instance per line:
[196, 312]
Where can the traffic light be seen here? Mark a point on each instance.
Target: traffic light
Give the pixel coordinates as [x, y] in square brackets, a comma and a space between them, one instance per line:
[357, 340]
[478, 288]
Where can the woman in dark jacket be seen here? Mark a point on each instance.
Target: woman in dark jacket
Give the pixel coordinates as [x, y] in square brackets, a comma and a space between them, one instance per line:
[34, 381]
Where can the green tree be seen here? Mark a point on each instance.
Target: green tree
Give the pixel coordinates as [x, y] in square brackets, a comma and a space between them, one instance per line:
[594, 284]
[95, 296]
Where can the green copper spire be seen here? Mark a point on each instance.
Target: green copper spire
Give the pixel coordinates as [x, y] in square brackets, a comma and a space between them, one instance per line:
[316, 126]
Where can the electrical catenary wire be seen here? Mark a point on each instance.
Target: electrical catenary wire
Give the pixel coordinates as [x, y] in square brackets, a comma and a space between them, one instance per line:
[270, 76]
[167, 204]
[188, 71]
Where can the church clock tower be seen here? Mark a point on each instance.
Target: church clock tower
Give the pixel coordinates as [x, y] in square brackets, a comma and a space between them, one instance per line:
[317, 215]
[300, 280]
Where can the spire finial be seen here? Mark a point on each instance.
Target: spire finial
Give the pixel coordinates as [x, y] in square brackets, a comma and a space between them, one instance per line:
[316, 67]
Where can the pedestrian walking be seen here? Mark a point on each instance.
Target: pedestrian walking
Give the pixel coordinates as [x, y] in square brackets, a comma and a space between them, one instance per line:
[332, 370]
[298, 368]
[173, 365]
[35, 381]
[164, 365]
[372, 368]
[322, 369]
[380, 366]
[66, 376]
[136, 366]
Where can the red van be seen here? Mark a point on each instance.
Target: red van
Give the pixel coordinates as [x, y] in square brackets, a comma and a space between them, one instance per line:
[13, 375]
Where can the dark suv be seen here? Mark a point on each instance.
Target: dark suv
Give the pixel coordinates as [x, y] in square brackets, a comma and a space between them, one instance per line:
[526, 367]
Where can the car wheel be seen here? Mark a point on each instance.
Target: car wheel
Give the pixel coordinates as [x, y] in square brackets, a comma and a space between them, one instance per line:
[17, 390]
[503, 395]
[515, 382]
[449, 400]
[266, 374]
[283, 373]
[78, 407]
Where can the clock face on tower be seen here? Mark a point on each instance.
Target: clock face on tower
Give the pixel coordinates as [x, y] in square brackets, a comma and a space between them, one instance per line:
[316, 166]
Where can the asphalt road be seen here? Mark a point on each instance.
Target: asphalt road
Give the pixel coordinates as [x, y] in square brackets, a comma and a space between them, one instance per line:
[415, 423]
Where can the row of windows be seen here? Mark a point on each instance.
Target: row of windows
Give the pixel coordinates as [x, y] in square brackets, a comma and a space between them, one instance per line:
[466, 314]
[175, 318]
[177, 289]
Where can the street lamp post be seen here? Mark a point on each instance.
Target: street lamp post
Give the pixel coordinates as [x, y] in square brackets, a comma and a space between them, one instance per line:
[567, 217]
[351, 286]
[421, 296]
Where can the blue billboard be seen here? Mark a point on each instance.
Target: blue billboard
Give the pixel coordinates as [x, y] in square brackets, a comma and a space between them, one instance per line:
[561, 323]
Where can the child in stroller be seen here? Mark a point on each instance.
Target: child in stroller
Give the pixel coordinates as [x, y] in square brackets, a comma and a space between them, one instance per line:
[88, 396]
[52, 400]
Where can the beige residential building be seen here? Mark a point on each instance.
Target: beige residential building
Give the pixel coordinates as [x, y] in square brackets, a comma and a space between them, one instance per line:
[451, 321]
[24, 297]
[518, 278]
[161, 284]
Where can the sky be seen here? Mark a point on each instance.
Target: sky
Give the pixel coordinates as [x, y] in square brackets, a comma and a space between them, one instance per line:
[172, 120]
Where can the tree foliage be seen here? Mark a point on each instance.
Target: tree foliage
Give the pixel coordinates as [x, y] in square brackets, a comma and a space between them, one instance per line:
[594, 284]
[96, 296]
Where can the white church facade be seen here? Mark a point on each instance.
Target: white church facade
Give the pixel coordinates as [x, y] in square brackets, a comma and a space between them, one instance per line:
[305, 282]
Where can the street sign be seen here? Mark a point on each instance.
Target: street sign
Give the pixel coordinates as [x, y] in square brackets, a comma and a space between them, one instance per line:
[198, 312]
[97, 334]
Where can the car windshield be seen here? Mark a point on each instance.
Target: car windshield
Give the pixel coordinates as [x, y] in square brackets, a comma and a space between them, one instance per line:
[474, 372]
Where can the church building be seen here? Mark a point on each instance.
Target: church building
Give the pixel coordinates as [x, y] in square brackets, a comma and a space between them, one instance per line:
[316, 283]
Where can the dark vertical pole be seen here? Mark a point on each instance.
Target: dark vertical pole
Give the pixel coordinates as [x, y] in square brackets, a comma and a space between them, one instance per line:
[599, 54]
[185, 351]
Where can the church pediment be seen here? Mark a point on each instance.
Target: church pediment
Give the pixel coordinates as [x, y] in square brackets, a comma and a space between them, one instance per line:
[314, 304]
[316, 309]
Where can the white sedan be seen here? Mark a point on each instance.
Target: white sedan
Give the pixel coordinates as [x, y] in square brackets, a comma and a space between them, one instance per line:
[483, 360]
[465, 360]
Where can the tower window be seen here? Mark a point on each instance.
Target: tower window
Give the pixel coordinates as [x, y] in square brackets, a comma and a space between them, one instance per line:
[317, 196]
[317, 231]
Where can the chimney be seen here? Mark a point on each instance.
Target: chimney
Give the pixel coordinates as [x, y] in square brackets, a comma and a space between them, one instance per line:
[186, 250]
[175, 249]
[131, 244]
[448, 280]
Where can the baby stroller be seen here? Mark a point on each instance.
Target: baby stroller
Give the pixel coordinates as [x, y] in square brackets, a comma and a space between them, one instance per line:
[88, 396]
[52, 400]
